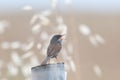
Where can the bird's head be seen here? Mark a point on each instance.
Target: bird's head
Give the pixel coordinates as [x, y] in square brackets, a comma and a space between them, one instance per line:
[57, 37]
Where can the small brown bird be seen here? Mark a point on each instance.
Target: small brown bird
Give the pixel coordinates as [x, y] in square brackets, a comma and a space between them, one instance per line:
[53, 48]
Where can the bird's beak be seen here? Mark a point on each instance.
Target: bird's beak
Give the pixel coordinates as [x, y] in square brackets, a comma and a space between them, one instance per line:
[62, 37]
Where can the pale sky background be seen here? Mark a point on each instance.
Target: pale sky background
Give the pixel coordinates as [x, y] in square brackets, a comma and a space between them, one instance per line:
[103, 6]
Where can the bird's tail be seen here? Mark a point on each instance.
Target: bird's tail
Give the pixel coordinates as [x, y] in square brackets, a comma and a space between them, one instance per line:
[44, 62]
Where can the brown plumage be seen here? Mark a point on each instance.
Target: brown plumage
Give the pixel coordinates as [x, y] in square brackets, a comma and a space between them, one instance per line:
[53, 48]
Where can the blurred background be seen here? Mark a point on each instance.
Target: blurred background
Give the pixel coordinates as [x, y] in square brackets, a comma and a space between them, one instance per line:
[91, 50]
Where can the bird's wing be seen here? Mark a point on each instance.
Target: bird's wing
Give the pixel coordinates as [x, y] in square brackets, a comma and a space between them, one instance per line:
[50, 48]
[54, 49]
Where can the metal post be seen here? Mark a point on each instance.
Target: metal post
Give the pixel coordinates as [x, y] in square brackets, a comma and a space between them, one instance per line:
[49, 72]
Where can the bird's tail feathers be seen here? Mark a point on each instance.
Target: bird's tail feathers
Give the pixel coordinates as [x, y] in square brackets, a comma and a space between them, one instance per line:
[44, 62]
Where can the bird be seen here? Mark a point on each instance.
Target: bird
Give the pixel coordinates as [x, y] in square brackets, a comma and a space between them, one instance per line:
[54, 48]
